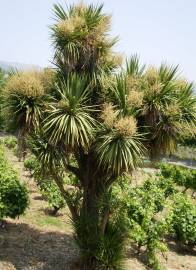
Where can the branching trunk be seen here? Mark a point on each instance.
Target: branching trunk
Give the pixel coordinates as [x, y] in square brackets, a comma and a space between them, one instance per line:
[66, 196]
[105, 220]
[22, 144]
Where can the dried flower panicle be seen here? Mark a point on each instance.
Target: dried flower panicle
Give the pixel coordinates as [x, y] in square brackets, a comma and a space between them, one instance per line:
[173, 110]
[118, 59]
[156, 88]
[69, 26]
[114, 58]
[151, 75]
[63, 104]
[80, 8]
[107, 83]
[133, 82]
[126, 126]
[180, 84]
[77, 21]
[135, 98]
[26, 83]
[108, 114]
[66, 27]
[103, 26]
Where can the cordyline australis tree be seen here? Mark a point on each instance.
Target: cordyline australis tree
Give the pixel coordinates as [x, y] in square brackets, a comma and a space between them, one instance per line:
[163, 103]
[93, 123]
[168, 110]
[94, 142]
[25, 96]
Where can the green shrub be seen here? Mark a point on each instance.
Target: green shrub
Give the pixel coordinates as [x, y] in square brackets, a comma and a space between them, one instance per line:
[30, 164]
[167, 170]
[51, 193]
[181, 176]
[193, 180]
[10, 142]
[13, 194]
[49, 190]
[183, 221]
[144, 207]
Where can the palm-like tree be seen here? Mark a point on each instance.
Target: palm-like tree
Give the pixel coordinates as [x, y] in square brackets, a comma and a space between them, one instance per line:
[163, 104]
[97, 123]
[25, 97]
[169, 109]
[77, 128]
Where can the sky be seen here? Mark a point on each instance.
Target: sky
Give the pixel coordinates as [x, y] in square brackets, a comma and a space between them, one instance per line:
[157, 30]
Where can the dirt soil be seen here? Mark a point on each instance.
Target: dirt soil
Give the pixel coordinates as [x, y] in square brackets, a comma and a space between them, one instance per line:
[37, 241]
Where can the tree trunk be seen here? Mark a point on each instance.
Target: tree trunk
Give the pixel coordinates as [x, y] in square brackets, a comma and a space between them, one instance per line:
[66, 196]
[55, 210]
[91, 232]
[21, 144]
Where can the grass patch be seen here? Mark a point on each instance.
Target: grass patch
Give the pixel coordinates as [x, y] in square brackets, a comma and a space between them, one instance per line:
[50, 221]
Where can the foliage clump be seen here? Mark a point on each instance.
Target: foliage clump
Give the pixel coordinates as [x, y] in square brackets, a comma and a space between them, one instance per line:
[13, 195]
[25, 83]
[144, 209]
[126, 126]
[11, 142]
[46, 185]
[51, 194]
[31, 164]
[183, 220]
[181, 176]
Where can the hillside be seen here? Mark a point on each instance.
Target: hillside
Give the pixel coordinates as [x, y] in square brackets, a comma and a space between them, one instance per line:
[19, 66]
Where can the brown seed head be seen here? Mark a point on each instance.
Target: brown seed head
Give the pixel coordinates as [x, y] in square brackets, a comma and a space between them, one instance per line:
[68, 27]
[133, 82]
[108, 114]
[180, 84]
[126, 126]
[151, 75]
[173, 110]
[155, 88]
[26, 83]
[135, 98]
[103, 26]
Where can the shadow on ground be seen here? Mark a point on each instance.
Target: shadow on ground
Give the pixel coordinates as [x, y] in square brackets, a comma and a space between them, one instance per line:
[181, 249]
[132, 253]
[27, 248]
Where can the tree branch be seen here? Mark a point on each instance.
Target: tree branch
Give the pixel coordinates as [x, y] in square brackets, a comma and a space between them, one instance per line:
[105, 219]
[66, 196]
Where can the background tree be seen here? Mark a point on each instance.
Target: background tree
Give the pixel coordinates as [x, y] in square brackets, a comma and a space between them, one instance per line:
[25, 96]
[2, 84]
[163, 103]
